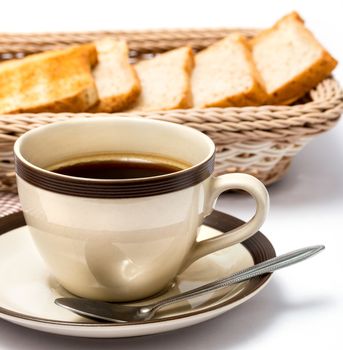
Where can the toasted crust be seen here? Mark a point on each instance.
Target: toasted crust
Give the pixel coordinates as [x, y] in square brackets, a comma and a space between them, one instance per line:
[219, 57]
[186, 100]
[165, 81]
[303, 82]
[54, 81]
[116, 79]
[256, 95]
[297, 85]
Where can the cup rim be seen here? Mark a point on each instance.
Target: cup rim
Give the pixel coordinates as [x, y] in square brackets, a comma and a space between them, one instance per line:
[62, 183]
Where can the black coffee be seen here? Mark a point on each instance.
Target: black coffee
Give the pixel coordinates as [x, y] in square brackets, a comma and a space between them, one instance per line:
[118, 168]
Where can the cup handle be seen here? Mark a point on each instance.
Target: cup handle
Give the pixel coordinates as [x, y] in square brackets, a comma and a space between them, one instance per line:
[223, 183]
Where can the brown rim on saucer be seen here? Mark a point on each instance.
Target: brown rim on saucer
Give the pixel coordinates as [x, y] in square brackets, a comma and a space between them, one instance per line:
[127, 188]
[258, 246]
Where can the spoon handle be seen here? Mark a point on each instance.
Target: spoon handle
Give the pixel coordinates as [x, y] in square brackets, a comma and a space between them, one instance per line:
[267, 266]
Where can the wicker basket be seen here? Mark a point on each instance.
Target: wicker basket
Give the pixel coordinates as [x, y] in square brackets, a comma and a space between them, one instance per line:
[256, 140]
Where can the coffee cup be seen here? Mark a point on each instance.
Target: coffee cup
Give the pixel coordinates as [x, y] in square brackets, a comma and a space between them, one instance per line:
[128, 238]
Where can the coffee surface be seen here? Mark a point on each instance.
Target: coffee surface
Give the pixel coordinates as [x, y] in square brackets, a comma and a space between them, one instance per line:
[122, 168]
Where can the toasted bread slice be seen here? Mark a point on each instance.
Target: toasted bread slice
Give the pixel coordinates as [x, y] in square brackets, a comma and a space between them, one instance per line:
[116, 80]
[52, 81]
[225, 75]
[290, 60]
[165, 81]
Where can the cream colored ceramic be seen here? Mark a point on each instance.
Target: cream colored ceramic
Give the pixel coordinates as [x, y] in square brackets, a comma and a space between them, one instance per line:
[124, 249]
[28, 290]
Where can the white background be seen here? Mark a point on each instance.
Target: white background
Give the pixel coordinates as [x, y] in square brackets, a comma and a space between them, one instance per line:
[303, 306]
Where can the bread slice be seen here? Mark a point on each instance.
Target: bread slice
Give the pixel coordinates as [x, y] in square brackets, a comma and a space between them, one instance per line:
[52, 81]
[116, 80]
[165, 81]
[225, 75]
[290, 60]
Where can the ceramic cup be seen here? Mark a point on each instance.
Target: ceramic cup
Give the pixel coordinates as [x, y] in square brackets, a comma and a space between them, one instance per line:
[121, 240]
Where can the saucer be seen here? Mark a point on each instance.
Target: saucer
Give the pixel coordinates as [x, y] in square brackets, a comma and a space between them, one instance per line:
[28, 290]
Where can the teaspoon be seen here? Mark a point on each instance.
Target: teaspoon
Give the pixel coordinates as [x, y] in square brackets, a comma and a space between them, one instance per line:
[118, 312]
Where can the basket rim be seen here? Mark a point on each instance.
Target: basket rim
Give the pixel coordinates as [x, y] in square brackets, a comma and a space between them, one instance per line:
[231, 123]
[138, 40]
[203, 31]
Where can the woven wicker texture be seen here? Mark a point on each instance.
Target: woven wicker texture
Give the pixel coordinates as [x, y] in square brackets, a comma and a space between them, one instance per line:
[17, 45]
[256, 140]
[9, 203]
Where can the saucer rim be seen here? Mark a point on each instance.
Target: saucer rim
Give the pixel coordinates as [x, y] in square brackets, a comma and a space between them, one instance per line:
[258, 246]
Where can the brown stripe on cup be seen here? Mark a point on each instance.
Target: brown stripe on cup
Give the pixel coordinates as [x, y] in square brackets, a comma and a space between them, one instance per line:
[128, 188]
